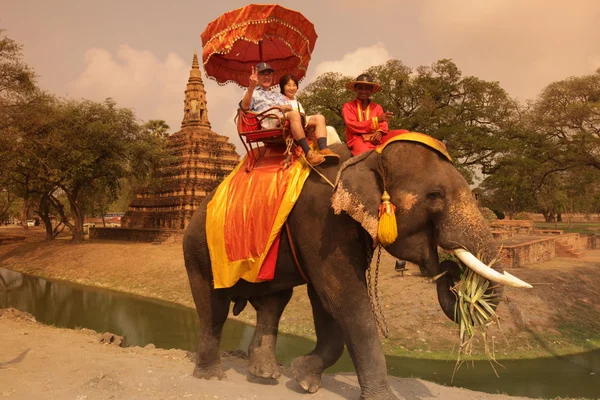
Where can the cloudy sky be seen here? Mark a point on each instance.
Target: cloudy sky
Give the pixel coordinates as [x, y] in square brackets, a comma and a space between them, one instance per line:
[139, 52]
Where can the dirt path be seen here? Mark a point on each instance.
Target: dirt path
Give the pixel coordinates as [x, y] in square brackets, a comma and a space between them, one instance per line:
[41, 362]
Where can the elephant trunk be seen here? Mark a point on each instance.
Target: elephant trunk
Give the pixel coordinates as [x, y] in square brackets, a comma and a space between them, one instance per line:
[463, 232]
[444, 283]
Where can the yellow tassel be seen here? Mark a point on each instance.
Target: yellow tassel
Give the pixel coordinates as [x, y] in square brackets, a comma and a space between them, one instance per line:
[387, 231]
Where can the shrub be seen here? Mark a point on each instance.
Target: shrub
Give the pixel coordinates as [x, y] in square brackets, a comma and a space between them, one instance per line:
[499, 214]
[523, 216]
[488, 214]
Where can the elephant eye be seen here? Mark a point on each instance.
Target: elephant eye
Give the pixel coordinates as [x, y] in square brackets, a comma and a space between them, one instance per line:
[437, 194]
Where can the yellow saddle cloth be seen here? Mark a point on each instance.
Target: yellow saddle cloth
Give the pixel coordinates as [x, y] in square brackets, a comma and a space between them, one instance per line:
[246, 215]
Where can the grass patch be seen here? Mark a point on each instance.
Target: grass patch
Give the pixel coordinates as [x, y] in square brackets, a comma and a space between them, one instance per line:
[576, 227]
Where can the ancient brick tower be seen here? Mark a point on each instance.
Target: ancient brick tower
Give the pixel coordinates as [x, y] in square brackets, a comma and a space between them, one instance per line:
[201, 160]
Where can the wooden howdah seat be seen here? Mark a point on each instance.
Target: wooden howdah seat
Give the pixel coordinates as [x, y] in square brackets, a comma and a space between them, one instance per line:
[249, 127]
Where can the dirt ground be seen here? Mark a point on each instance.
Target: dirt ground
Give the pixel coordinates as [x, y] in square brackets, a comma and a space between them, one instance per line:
[561, 314]
[42, 362]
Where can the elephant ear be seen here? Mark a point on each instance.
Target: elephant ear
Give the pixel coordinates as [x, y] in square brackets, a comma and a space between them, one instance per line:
[358, 191]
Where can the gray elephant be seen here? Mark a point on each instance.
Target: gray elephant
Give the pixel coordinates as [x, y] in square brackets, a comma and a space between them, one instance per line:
[333, 232]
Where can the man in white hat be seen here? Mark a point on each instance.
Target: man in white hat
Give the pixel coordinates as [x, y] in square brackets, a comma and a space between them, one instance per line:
[366, 122]
[259, 97]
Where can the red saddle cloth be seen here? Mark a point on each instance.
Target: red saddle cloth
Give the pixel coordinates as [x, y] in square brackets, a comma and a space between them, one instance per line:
[246, 214]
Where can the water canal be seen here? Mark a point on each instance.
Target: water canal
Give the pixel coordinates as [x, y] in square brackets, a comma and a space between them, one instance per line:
[142, 321]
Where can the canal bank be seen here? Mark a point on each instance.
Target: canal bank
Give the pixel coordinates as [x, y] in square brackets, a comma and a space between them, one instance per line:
[417, 326]
[560, 315]
[147, 322]
[42, 362]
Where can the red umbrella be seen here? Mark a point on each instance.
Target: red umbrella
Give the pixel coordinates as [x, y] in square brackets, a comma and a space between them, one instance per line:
[241, 38]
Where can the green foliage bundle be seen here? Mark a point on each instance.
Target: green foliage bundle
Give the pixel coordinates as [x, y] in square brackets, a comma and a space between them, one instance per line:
[475, 311]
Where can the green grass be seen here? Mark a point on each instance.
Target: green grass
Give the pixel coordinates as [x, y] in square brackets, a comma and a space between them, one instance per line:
[576, 227]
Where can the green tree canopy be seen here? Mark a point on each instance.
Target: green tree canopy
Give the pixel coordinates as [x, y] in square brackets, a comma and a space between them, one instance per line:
[81, 150]
[472, 116]
[326, 96]
[17, 84]
[16, 78]
[157, 127]
[556, 152]
[567, 116]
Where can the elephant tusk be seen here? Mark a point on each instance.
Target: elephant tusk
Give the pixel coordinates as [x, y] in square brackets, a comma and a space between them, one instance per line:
[489, 273]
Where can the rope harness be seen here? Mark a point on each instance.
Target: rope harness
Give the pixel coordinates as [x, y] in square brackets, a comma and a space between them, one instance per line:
[374, 294]
[294, 255]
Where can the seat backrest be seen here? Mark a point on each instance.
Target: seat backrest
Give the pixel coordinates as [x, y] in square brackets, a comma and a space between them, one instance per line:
[247, 122]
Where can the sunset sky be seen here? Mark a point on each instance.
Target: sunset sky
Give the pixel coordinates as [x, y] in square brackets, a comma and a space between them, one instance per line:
[140, 52]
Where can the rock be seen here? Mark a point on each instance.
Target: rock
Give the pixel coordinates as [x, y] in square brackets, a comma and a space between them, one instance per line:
[111, 338]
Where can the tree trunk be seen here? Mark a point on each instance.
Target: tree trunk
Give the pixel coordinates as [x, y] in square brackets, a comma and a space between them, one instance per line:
[78, 218]
[25, 214]
[76, 214]
[548, 216]
[44, 213]
[64, 221]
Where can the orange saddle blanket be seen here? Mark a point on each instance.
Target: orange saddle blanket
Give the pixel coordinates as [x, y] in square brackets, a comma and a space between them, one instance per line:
[245, 217]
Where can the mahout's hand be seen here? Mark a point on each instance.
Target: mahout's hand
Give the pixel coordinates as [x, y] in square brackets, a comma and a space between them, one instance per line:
[385, 117]
[376, 138]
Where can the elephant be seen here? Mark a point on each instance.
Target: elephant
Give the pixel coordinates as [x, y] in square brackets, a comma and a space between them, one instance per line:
[334, 231]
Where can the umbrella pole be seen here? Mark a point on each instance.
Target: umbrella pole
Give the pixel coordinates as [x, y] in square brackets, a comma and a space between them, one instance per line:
[260, 57]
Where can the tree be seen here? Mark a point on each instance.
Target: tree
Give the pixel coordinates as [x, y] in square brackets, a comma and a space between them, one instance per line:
[16, 78]
[82, 152]
[17, 83]
[21, 168]
[557, 152]
[326, 96]
[157, 127]
[567, 114]
[473, 117]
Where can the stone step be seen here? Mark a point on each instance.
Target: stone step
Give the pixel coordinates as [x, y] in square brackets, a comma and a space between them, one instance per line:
[563, 249]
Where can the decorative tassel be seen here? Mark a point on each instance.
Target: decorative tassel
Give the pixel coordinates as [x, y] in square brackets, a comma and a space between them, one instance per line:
[387, 231]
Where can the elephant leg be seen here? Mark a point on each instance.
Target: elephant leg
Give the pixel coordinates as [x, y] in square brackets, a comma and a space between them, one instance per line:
[330, 345]
[261, 351]
[345, 295]
[212, 306]
[364, 346]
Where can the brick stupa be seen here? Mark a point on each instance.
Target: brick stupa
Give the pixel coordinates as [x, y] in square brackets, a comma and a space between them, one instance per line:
[201, 160]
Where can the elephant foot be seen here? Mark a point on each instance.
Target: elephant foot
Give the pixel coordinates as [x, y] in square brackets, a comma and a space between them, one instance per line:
[262, 364]
[386, 394]
[209, 372]
[306, 374]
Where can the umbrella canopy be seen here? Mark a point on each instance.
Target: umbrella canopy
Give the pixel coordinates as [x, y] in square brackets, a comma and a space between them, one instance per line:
[241, 38]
